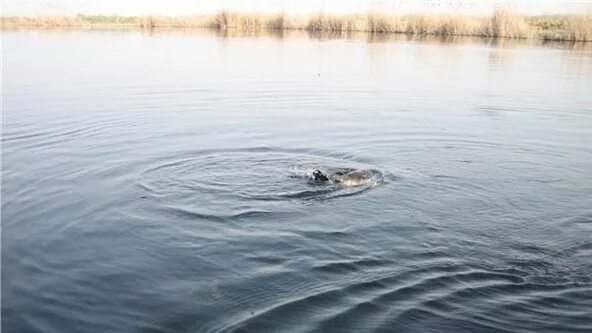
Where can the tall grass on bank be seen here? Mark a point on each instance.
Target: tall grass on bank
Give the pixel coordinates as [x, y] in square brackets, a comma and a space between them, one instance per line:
[579, 28]
[502, 23]
[505, 23]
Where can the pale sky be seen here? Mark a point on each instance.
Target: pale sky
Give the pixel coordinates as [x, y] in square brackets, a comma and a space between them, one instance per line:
[301, 7]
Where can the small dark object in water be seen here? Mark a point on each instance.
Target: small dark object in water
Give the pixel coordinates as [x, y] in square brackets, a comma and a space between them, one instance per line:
[319, 176]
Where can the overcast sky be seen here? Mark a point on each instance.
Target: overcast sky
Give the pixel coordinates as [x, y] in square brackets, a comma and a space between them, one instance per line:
[185, 7]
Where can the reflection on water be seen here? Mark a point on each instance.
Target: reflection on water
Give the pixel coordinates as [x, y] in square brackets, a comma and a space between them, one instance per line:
[315, 35]
[158, 180]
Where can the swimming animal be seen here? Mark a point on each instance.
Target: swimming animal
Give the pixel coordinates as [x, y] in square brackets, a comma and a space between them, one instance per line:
[347, 177]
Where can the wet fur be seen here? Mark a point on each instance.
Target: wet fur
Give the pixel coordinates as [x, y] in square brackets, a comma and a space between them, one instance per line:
[344, 178]
[353, 178]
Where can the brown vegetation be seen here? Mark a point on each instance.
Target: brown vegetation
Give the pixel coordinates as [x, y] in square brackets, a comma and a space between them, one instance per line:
[502, 23]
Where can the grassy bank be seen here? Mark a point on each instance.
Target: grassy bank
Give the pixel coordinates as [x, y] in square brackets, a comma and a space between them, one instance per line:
[502, 23]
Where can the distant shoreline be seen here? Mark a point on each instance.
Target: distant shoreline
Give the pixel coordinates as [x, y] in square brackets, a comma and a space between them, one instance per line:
[502, 23]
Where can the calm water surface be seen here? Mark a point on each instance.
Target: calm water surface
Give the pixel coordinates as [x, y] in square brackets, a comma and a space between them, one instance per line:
[152, 182]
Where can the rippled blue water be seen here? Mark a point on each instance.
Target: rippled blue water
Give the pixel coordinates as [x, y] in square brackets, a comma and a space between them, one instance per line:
[152, 182]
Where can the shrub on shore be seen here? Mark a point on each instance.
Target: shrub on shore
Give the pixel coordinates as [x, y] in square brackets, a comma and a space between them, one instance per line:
[505, 23]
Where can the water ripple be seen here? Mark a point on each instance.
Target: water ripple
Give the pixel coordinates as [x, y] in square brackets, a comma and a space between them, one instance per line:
[213, 183]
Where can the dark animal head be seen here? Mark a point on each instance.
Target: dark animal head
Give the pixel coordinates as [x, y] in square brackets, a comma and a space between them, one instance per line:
[319, 176]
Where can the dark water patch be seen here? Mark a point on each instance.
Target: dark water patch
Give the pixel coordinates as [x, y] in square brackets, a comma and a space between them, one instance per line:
[269, 260]
[324, 234]
[340, 267]
[192, 214]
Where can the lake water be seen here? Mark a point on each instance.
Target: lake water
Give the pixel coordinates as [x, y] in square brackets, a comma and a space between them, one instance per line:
[156, 182]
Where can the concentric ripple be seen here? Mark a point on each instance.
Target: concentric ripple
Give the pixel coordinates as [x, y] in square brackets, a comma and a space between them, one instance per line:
[246, 182]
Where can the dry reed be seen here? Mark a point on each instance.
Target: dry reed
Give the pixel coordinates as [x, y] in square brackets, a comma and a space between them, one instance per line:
[505, 23]
[579, 28]
[502, 23]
